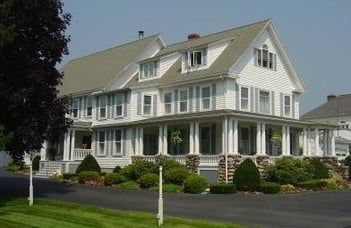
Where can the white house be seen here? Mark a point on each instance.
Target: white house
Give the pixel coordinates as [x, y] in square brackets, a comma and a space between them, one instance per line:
[227, 93]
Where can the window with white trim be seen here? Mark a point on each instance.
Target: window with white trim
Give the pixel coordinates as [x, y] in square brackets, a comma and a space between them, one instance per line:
[287, 105]
[149, 69]
[119, 105]
[168, 103]
[206, 98]
[244, 98]
[183, 100]
[101, 142]
[89, 106]
[265, 58]
[147, 104]
[102, 107]
[117, 150]
[195, 58]
[75, 108]
[264, 98]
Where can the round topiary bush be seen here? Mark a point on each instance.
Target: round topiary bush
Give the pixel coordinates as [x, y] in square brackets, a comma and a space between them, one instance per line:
[113, 178]
[148, 180]
[138, 168]
[289, 171]
[176, 175]
[35, 163]
[247, 176]
[320, 169]
[117, 169]
[89, 164]
[195, 184]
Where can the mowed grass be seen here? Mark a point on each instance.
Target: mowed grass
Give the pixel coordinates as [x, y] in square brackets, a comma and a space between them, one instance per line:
[47, 213]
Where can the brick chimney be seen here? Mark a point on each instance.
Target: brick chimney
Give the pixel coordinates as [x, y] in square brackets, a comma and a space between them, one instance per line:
[331, 97]
[192, 36]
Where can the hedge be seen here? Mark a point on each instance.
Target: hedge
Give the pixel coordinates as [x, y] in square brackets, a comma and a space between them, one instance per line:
[222, 188]
[270, 187]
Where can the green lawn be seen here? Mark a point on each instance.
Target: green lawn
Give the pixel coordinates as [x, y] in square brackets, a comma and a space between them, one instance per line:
[45, 213]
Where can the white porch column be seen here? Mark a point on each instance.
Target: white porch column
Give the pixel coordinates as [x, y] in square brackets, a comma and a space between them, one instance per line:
[191, 138]
[325, 142]
[258, 139]
[165, 138]
[332, 143]
[66, 145]
[235, 137]
[43, 151]
[230, 136]
[317, 153]
[136, 140]
[284, 140]
[141, 143]
[73, 142]
[196, 138]
[305, 147]
[288, 152]
[263, 139]
[225, 136]
[330, 136]
[160, 140]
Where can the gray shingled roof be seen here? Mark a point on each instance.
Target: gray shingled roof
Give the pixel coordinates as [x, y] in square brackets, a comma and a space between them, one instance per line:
[240, 38]
[339, 106]
[93, 72]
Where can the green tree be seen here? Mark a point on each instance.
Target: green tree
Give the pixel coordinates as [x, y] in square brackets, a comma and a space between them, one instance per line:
[4, 138]
[32, 42]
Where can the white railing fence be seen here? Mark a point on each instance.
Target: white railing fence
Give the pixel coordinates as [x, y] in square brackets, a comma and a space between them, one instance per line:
[79, 154]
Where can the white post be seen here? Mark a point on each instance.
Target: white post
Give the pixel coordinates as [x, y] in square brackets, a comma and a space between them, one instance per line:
[73, 142]
[225, 146]
[235, 135]
[317, 151]
[196, 138]
[263, 139]
[284, 140]
[230, 136]
[141, 143]
[165, 142]
[191, 139]
[258, 139]
[160, 199]
[30, 198]
[137, 146]
[305, 147]
[332, 144]
[160, 140]
[288, 140]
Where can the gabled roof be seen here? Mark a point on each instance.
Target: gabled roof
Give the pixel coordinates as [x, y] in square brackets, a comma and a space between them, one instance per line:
[93, 72]
[339, 106]
[239, 40]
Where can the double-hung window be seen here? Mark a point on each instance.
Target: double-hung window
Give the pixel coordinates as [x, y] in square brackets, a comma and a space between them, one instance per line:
[89, 106]
[119, 105]
[265, 58]
[149, 69]
[287, 106]
[206, 98]
[196, 58]
[118, 142]
[264, 102]
[244, 98]
[183, 100]
[102, 107]
[75, 108]
[168, 103]
[101, 142]
[147, 103]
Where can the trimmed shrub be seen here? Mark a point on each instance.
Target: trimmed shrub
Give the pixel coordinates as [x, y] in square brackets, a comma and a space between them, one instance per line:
[113, 178]
[167, 165]
[287, 188]
[117, 169]
[332, 184]
[89, 164]
[148, 180]
[168, 188]
[313, 184]
[92, 177]
[55, 178]
[289, 171]
[176, 175]
[131, 185]
[247, 176]
[270, 187]
[138, 168]
[35, 163]
[320, 169]
[195, 184]
[70, 176]
[222, 188]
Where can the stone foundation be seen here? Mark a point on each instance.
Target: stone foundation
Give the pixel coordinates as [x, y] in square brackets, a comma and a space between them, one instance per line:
[192, 162]
[262, 162]
[233, 162]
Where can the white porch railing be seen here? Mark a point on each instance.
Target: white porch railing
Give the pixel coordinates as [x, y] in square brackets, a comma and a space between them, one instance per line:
[209, 160]
[79, 154]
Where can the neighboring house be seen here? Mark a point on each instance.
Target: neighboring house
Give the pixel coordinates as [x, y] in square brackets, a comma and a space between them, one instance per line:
[337, 110]
[5, 158]
[229, 93]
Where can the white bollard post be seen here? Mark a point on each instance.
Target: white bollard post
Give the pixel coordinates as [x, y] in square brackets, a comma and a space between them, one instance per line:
[160, 200]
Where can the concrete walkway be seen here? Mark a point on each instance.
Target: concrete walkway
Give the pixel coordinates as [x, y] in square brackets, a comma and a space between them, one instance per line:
[321, 209]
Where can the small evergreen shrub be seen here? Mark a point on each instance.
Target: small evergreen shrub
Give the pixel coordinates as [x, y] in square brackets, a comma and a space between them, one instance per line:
[138, 168]
[70, 176]
[89, 164]
[320, 169]
[35, 163]
[222, 188]
[148, 180]
[12, 167]
[113, 179]
[117, 169]
[176, 175]
[270, 187]
[289, 171]
[287, 188]
[313, 184]
[167, 165]
[195, 184]
[130, 185]
[92, 177]
[247, 176]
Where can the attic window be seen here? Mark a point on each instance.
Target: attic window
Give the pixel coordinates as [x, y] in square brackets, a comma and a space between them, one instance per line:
[265, 58]
[149, 69]
[195, 58]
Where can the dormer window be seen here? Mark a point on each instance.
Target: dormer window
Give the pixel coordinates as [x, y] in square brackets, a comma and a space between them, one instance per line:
[195, 58]
[265, 58]
[75, 108]
[149, 69]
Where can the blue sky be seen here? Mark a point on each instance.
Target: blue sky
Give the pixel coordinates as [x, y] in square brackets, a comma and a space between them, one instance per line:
[315, 33]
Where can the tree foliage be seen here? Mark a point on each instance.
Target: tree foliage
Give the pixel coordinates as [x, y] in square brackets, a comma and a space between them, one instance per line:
[32, 42]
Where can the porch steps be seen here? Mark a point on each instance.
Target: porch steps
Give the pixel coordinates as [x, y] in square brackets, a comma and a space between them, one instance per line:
[48, 169]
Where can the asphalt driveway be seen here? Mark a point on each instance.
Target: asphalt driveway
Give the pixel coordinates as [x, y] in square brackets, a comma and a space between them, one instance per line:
[321, 209]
